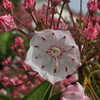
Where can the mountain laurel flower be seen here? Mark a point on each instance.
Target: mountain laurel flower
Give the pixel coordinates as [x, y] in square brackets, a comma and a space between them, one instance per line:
[7, 5]
[74, 92]
[8, 22]
[91, 33]
[29, 5]
[53, 54]
[92, 6]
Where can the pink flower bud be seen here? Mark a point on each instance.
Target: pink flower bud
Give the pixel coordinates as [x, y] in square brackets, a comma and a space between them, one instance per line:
[91, 33]
[74, 92]
[19, 41]
[21, 51]
[98, 2]
[14, 46]
[71, 79]
[8, 5]
[8, 22]
[56, 2]
[6, 62]
[25, 66]
[29, 4]
[92, 6]
[6, 81]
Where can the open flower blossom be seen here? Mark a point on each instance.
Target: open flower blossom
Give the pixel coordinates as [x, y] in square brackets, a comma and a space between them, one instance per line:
[53, 54]
[8, 22]
[8, 5]
[74, 92]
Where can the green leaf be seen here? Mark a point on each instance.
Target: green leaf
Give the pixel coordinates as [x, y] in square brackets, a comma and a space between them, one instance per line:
[56, 97]
[4, 97]
[41, 92]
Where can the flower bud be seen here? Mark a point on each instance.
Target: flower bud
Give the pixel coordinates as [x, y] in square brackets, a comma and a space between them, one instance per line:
[6, 62]
[29, 5]
[74, 92]
[55, 2]
[98, 2]
[14, 46]
[19, 41]
[92, 6]
[8, 5]
[8, 22]
[91, 33]
[6, 81]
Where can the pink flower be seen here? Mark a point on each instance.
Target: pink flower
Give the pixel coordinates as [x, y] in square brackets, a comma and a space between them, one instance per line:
[29, 4]
[8, 5]
[8, 22]
[74, 92]
[92, 6]
[90, 33]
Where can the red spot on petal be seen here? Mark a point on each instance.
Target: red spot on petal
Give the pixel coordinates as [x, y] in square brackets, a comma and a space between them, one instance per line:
[53, 33]
[66, 69]
[43, 38]
[55, 70]
[42, 66]
[36, 46]
[73, 46]
[36, 57]
[64, 37]
[73, 59]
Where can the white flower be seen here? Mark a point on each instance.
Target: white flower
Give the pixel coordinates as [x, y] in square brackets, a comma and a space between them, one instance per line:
[53, 54]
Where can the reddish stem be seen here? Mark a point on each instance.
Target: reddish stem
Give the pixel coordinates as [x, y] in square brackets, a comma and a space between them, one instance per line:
[22, 22]
[60, 15]
[22, 32]
[52, 18]
[33, 18]
[71, 15]
[81, 1]
[26, 80]
[47, 11]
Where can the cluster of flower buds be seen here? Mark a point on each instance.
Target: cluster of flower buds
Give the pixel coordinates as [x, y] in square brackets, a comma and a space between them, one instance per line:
[8, 22]
[18, 46]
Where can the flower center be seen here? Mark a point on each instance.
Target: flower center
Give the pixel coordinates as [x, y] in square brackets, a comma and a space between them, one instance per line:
[55, 51]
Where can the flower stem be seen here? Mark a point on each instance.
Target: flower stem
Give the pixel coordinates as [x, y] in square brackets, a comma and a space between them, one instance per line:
[25, 34]
[81, 1]
[47, 11]
[26, 80]
[22, 23]
[60, 14]
[71, 15]
[52, 18]
[33, 18]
